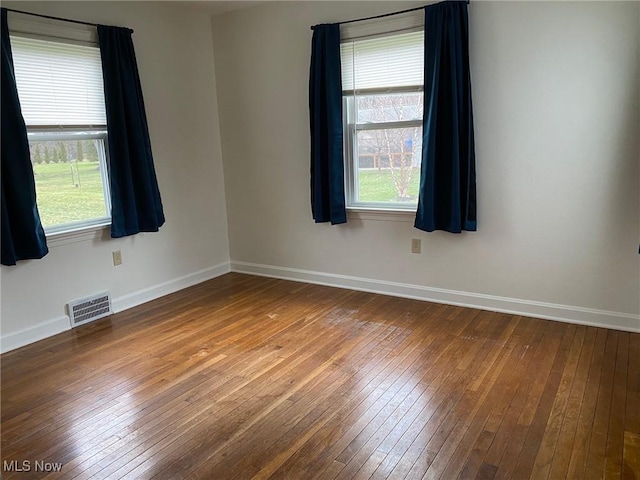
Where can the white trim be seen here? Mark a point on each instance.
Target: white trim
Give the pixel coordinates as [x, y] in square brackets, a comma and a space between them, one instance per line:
[33, 334]
[571, 314]
[156, 291]
[550, 311]
[52, 327]
[386, 215]
[94, 232]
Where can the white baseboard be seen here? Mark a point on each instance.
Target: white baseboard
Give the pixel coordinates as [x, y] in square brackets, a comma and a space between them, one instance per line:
[33, 334]
[549, 311]
[156, 291]
[60, 324]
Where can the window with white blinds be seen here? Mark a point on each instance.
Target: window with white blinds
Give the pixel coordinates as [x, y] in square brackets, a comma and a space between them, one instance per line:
[59, 84]
[61, 94]
[383, 104]
[383, 62]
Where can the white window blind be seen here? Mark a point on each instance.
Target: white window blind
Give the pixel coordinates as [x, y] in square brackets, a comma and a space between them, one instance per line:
[59, 84]
[383, 62]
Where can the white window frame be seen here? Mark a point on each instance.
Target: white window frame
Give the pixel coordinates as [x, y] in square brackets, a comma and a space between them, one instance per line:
[43, 134]
[74, 34]
[351, 147]
[387, 211]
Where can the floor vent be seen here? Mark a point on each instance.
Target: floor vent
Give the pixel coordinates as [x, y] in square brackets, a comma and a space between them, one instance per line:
[89, 309]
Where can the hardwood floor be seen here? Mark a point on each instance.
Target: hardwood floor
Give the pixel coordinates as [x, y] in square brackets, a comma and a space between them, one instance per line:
[245, 377]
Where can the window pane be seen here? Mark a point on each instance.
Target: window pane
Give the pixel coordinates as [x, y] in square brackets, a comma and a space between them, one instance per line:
[69, 180]
[389, 108]
[388, 165]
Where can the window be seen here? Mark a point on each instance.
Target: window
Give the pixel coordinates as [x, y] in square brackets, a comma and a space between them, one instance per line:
[382, 81]
[61, 95]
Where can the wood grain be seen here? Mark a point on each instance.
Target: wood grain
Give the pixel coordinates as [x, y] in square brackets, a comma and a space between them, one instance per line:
[244, 377]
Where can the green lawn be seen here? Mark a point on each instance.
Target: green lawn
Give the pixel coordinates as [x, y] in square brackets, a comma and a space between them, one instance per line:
[67, 193]
[377, 186]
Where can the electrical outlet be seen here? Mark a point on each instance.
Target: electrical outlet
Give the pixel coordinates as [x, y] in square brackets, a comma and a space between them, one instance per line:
[416, 245]
[117, 258]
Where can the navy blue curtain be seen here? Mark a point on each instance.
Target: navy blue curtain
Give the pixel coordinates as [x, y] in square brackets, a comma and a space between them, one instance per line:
[135, 198]
[22, 233]
[325, 112]
[447, 198]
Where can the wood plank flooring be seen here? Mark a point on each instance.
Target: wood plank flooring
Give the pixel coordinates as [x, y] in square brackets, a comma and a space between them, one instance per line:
[245, 377]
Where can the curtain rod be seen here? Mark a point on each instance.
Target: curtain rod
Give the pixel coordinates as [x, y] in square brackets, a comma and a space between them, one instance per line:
[375, 17]
[50, 17]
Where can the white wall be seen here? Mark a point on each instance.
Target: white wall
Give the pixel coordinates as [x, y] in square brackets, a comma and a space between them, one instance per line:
[557, 101]
[556, 90]
[175, 61]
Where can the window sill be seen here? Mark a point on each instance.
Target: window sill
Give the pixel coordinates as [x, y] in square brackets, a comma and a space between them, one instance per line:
[384, 215]
[83, 234]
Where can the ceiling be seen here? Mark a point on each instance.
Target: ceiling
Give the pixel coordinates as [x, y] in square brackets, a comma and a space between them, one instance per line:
[216, 7]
